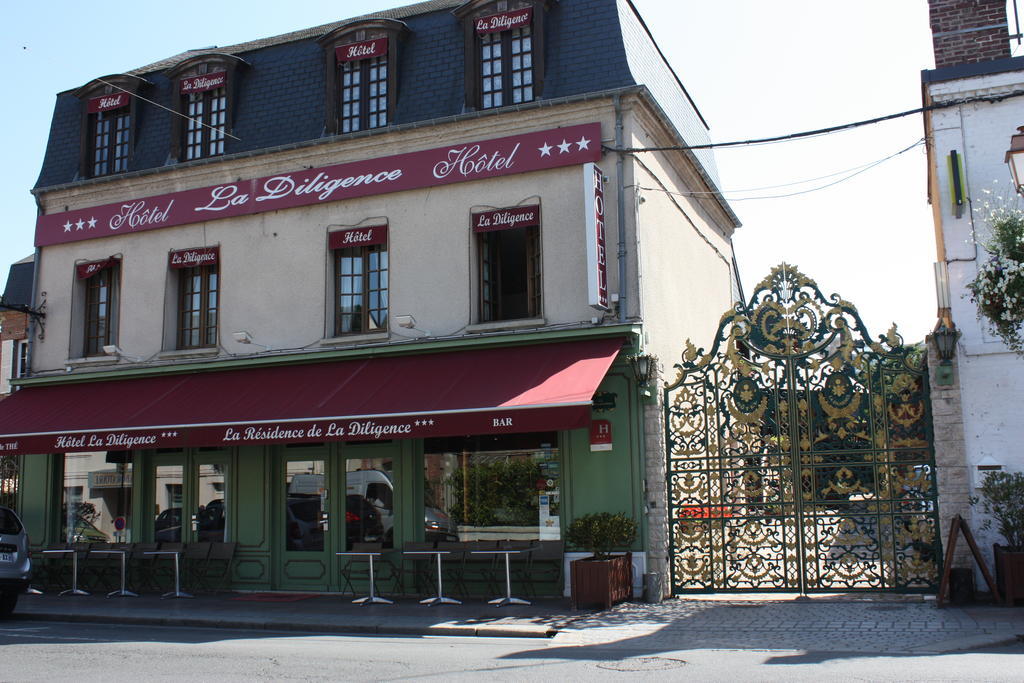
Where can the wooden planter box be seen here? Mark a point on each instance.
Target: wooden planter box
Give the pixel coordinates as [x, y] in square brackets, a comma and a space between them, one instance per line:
[1009, 573]
[601, 582]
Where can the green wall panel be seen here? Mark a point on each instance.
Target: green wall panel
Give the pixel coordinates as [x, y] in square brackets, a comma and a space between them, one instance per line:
[38, 498]
[608, 481]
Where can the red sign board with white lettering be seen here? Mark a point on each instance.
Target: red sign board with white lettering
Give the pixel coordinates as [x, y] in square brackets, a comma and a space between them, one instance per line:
[554, 148]
[358, 237]
[471, 391]
[87, 270]
[600, 435]
[597, 266]
[191, 258]
[504, 21]
[505, 219]
[108, 102]
[363, 50]
[210, 81]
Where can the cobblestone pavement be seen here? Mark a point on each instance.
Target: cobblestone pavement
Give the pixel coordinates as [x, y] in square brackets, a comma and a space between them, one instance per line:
[878, 626]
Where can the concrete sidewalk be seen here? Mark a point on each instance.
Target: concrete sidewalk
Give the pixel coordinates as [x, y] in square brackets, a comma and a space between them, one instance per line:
[319, 613]
[843, 623]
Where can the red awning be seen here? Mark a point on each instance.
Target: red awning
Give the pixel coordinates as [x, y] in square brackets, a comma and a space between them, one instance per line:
[538, 387]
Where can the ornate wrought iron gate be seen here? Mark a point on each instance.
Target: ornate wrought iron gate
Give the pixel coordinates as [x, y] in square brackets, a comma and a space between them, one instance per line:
[799, 452]
[10, 467]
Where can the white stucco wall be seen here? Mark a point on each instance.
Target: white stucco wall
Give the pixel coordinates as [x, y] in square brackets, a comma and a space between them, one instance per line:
[685, 251]
[275, 266]
[990, 377]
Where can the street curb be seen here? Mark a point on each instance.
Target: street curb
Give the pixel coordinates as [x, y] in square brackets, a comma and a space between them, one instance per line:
[445, 629]
[969, 643]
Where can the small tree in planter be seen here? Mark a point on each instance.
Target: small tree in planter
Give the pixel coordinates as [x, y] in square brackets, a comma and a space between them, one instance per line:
[603, 578]
[1002, 497]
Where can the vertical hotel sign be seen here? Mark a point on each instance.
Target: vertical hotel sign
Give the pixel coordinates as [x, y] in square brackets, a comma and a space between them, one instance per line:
[597, 262]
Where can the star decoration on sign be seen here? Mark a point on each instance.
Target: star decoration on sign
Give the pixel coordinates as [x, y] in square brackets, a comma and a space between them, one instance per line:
[166, 434]
[80, 224]
[67, 227]
[564, 147]
[92, 222]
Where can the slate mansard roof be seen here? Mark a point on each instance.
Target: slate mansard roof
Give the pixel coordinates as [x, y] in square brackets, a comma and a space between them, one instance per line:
[591, 46]
[18, 291]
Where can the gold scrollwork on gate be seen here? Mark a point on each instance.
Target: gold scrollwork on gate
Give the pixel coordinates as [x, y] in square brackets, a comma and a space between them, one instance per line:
[798, 451]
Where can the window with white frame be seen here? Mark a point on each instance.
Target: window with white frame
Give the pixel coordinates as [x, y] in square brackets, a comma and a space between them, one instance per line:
[360, 271]
[361, 78]
[504, 51]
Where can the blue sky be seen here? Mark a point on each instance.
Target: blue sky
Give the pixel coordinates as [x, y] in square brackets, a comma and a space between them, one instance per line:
[754, 68]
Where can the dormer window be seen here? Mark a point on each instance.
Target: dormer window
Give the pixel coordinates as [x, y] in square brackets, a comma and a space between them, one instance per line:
[504, 51]
[206, 105]
[359, 62]
[109, 111]
[204, 98]
[110, 124]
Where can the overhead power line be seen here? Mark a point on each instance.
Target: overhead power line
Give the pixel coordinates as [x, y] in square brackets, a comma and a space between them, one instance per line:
[830, 129]
[849, 173]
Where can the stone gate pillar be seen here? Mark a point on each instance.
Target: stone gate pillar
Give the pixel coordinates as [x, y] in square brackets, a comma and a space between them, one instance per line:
[952, 475]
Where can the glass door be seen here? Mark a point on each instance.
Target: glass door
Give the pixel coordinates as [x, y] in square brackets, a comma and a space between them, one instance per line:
[306, 515]
[168, 498]
[304, 520]
[209, 507]
[190, 498]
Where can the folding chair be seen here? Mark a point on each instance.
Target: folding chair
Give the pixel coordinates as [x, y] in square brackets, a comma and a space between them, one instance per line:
[219, 564]
[193, 564]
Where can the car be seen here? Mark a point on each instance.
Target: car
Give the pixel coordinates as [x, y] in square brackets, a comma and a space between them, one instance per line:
[211, 520]
[362, 521]
[438, 526]
[305, 528]
[167, 527]
[15, 560]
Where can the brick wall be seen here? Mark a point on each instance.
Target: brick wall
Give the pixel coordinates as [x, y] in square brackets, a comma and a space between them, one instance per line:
[968, 31]
[13, 325]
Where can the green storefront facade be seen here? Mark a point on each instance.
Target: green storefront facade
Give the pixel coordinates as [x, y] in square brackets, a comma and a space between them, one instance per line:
[290, 507]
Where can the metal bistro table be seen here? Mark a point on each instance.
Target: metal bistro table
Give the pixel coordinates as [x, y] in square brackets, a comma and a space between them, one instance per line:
[123, 591]
[177, 592]
[74, 590]
[372, 598]
[508, 599]
[440, 599]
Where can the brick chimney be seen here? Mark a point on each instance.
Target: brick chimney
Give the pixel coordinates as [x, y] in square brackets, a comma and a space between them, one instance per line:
[968, 31]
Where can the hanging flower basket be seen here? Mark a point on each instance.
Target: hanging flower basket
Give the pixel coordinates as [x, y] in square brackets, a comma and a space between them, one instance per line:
[998, 288]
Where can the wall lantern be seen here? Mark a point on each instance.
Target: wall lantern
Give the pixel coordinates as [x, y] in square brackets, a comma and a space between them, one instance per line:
[644, 367]
[1015, 160]
[944, 337]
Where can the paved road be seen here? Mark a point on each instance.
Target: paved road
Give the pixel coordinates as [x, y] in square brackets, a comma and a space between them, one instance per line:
[38, 651]
[870, 626]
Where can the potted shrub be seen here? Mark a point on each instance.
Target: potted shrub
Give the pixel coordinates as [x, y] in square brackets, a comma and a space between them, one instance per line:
[1002, 497]
[603, 579]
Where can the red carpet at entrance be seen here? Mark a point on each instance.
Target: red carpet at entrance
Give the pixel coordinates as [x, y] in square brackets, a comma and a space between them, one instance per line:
[274, 597]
